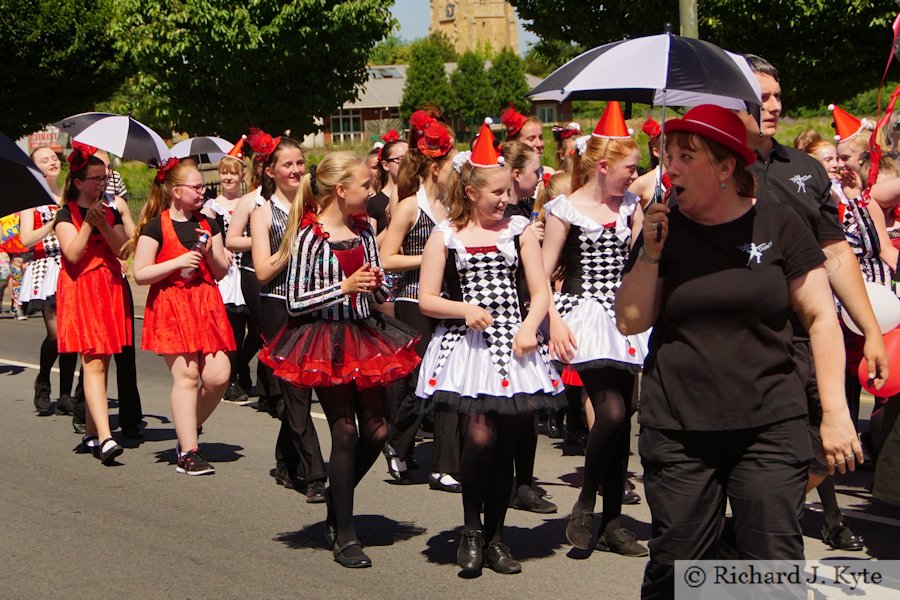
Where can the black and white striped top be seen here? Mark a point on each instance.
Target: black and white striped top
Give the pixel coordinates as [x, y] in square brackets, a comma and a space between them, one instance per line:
[315, 278]
[277, 288]
[414, 245]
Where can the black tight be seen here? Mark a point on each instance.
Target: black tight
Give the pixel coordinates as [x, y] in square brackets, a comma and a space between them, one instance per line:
[526, 448]
[352, 451]
[486, 469]
[49, 352]
[240, 363]
[606, 453]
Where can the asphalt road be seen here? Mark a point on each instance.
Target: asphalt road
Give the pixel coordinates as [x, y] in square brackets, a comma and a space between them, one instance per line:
[74, 528]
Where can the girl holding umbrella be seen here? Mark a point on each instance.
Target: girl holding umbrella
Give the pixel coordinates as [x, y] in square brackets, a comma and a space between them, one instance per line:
[38, 292]
[92, 320]
[718, 277]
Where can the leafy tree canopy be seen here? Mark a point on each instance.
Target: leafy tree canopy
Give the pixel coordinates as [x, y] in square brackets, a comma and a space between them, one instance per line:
[426, 79]
[507, 78]
[826, 50]
[58, 59]
[223, 67]
[473, 97]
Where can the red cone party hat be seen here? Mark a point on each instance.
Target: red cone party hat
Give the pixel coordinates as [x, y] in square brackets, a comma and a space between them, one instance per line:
[484, 154]
[612, 123]
[238, 150]
[846, 125]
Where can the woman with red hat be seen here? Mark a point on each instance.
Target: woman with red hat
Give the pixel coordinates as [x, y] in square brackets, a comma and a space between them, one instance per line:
[179, 253]
[92, 320]
[590, 232]
[723, 413]
[422, 186]
[484, 362]
[221, 208]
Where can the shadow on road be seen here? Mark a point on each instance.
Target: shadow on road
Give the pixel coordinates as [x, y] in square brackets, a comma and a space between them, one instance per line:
[10, 370]
[214, 452]
[373, 530]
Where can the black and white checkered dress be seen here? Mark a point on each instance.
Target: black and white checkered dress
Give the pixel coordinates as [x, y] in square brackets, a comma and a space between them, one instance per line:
[230, 285]
[477, 371]
[38, 289]
[594, 257]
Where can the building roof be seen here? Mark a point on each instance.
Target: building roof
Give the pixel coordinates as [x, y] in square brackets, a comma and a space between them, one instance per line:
[384, 88]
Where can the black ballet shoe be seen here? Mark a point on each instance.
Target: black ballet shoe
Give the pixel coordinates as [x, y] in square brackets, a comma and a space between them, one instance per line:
[841, 537]
[470, 555]
[108, 457]
[83, 447]
[399, 477]
[351, 555]
[435, 483]
[499, 560]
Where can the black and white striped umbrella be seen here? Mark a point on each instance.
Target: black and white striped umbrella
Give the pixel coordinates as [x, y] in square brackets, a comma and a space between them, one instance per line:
[24, 185]
[207, 147]
[665, 70]
[117, 134]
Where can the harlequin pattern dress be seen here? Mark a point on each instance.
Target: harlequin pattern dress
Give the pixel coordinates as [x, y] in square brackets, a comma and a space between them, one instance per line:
[230, 285]
[477, 371]
[41, 275]
[594, 257]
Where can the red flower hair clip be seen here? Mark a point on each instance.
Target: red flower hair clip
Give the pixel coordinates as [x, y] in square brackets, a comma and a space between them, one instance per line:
[546, 177]
[651, 128]
[311, 219]
[163, 168]
[418, 122]
[513, 120]
[78, 157]
[390, 136]
[263, 143]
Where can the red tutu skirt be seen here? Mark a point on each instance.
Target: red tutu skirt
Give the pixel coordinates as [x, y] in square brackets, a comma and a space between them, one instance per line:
[571, 377]
[91, 314]
[322, 353]
[186, 319]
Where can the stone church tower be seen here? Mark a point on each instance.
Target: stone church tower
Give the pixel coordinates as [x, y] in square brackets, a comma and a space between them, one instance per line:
[470, 24]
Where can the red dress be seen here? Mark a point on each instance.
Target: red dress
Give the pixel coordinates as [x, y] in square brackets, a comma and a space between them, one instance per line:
[90, 305]
[185, 316]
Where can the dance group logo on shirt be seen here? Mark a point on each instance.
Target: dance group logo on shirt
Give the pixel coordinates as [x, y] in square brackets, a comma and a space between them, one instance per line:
[800, 181]
[755, 251]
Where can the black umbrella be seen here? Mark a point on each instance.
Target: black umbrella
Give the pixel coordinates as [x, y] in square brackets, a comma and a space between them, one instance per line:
[119, 135]
[24, 185]
[661, 69]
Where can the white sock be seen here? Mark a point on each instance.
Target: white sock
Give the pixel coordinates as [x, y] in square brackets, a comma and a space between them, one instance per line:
[110, 443]
[92, 442]
[398, 465]
[448, 479]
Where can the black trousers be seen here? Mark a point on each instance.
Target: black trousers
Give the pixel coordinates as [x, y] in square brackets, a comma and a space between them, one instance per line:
[130, 410]
[266, 383]
[297, 445]
[688, 476]
[252, 340]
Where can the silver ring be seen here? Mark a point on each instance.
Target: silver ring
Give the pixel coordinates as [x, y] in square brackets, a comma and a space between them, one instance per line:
[849, 456]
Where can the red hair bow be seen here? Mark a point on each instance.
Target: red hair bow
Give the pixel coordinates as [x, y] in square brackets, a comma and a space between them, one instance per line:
[263, 143]
[651, 128]
[546, 177]
[390, 136]
[79, 156]
[311, 219]
[164, 168]
[418, 121]
[513, 120]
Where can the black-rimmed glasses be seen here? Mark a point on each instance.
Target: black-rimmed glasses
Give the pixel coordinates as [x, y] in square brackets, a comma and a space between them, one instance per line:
[199, 188]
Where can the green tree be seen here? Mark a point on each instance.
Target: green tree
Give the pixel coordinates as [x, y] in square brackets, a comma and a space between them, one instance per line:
[507, 79]
[223, 67]
[441, 44]
[58, 59]
[473, 98]
[825, 49]
[426, 79]
[392, 50]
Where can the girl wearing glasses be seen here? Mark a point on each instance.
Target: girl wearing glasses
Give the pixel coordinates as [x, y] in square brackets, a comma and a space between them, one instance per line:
[185, 319]
[92, 319]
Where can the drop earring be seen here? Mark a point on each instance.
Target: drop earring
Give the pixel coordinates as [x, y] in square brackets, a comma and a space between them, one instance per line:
[723, 186]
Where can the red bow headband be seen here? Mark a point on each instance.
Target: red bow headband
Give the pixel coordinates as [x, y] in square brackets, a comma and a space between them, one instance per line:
[651, 128]
[263, 143]
[163, 168]
[418, 122]
[513, 120]
[78, 158]
[564, 133]
[390, 136]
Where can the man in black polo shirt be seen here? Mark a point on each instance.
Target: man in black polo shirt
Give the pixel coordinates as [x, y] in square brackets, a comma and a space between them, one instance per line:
[794, 178]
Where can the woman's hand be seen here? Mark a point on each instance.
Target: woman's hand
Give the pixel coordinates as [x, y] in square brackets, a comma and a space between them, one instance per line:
[96, 215]
[525, 341]
[379, 277]
[562, 340]
[200, 231]
[477, 318]
[361, 282]
[229, 257]
[188, 260]
[840, 443]
[656, 229]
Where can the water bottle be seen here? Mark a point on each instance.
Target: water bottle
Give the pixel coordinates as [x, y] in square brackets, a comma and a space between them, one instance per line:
[534, 217]
[198, 246]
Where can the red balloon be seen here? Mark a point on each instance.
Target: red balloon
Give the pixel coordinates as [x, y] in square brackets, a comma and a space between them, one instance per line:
[891, 387]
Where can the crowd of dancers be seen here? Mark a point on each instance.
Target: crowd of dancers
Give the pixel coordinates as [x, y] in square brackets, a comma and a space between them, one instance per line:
[475, 292]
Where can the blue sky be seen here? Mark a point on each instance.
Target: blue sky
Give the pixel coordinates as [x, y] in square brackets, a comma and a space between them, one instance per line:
[414, 16]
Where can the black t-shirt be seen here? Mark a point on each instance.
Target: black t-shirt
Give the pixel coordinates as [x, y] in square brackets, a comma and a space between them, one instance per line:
[798, 180]
[185, 230]
[721, 355]
[378, 210]
[65, 215]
